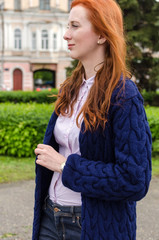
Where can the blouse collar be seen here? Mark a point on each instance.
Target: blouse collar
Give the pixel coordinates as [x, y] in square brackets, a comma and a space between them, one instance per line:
[89, 82]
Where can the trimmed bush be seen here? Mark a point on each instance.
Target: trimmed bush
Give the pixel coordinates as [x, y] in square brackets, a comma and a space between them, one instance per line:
[22, 127]
[150, 98]
[43, 96]
[153, 119]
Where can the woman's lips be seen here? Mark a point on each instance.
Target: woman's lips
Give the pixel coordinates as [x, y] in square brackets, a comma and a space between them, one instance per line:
[70, 46]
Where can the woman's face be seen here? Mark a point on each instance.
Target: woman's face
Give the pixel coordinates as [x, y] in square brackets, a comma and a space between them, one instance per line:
[81, 39]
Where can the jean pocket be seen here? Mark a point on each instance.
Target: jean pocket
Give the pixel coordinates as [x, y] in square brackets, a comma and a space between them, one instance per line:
[78, 221]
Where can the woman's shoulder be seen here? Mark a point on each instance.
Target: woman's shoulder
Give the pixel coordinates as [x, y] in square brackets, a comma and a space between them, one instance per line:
[125, 91]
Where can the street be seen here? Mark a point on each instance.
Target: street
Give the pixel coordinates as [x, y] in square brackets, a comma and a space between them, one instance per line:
[16, 212]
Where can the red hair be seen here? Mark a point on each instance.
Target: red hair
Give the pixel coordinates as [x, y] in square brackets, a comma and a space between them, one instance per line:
[106, 18]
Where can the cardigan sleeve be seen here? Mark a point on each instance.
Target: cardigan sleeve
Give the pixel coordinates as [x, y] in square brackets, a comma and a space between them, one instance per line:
[126, 178]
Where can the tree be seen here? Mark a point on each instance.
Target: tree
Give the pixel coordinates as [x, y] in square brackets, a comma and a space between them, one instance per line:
[70, 69]
[47, 78]
[141, 20]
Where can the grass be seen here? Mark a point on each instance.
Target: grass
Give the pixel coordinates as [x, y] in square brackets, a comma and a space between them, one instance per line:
[7, 235]
[17, 169]
[155, 166]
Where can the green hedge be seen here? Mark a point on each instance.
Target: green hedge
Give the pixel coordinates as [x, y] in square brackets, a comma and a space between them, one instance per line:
[150, 98]
[23, 127]
[153, 119]
[43, 96]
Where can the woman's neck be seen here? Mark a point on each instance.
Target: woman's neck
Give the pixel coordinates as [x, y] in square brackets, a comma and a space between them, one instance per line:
[91, 68]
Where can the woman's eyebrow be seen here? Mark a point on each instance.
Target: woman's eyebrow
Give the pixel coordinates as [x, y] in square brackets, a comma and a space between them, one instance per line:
[73, 21]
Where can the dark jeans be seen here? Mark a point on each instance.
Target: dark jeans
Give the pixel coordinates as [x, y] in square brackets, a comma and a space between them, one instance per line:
[59, 222]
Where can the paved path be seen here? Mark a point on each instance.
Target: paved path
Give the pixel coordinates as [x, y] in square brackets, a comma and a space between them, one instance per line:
[16, 212]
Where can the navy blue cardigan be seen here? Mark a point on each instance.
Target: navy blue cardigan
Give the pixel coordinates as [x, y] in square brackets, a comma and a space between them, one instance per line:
[112, 173]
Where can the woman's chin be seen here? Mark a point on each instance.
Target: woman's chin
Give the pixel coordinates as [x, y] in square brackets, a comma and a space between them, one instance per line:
[73, 56]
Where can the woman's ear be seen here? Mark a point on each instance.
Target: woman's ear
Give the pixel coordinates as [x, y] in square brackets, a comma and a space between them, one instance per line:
[101, 40]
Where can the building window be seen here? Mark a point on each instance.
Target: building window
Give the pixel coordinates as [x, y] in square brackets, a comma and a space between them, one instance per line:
[54, 41]
[17, 4]
[0, 40]
[45, 41]
[69, 4]
[57, 3]
[31, 3]
[45, 4]
[17, 39]
[34, 40]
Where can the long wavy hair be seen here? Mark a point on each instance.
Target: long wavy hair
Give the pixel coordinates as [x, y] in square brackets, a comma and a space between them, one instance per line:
[107, 20]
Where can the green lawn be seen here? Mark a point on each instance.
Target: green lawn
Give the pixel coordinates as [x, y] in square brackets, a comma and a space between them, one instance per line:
[17, 169]
[155, 166]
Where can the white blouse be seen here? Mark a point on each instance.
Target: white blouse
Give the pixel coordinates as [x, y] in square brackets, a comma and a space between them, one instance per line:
[66, 135]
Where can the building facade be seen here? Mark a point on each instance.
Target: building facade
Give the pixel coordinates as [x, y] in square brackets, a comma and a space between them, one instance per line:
[31, 39]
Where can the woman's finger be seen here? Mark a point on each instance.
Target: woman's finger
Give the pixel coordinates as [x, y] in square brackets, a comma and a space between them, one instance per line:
[41, 146]
[40, 162]
[38, 151]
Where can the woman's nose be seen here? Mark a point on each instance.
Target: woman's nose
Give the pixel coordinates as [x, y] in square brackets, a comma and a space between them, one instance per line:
[67, 35]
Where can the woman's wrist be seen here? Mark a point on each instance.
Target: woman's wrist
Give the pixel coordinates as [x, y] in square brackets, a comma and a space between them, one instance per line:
[62, 166]
[61, 163]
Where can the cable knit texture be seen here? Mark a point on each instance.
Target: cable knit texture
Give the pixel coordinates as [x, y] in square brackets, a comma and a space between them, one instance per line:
[112, 173]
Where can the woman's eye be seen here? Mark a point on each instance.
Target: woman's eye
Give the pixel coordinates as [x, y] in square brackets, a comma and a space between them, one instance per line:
[73, 25]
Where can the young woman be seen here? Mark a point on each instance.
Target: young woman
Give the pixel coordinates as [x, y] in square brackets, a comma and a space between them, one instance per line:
[95, 162]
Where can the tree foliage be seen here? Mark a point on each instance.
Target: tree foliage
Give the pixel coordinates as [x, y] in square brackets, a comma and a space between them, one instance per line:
[70, 69]
[141, 19]
[44, 75]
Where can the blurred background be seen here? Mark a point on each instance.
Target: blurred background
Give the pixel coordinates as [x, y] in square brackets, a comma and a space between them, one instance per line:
[33, 52]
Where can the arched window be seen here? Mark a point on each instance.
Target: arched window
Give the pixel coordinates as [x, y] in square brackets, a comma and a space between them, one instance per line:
[45, 40]
[17, 39]
[45, 4]
[54, 41]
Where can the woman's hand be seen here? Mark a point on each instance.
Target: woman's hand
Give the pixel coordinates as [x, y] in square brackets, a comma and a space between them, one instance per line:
[49, 158]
